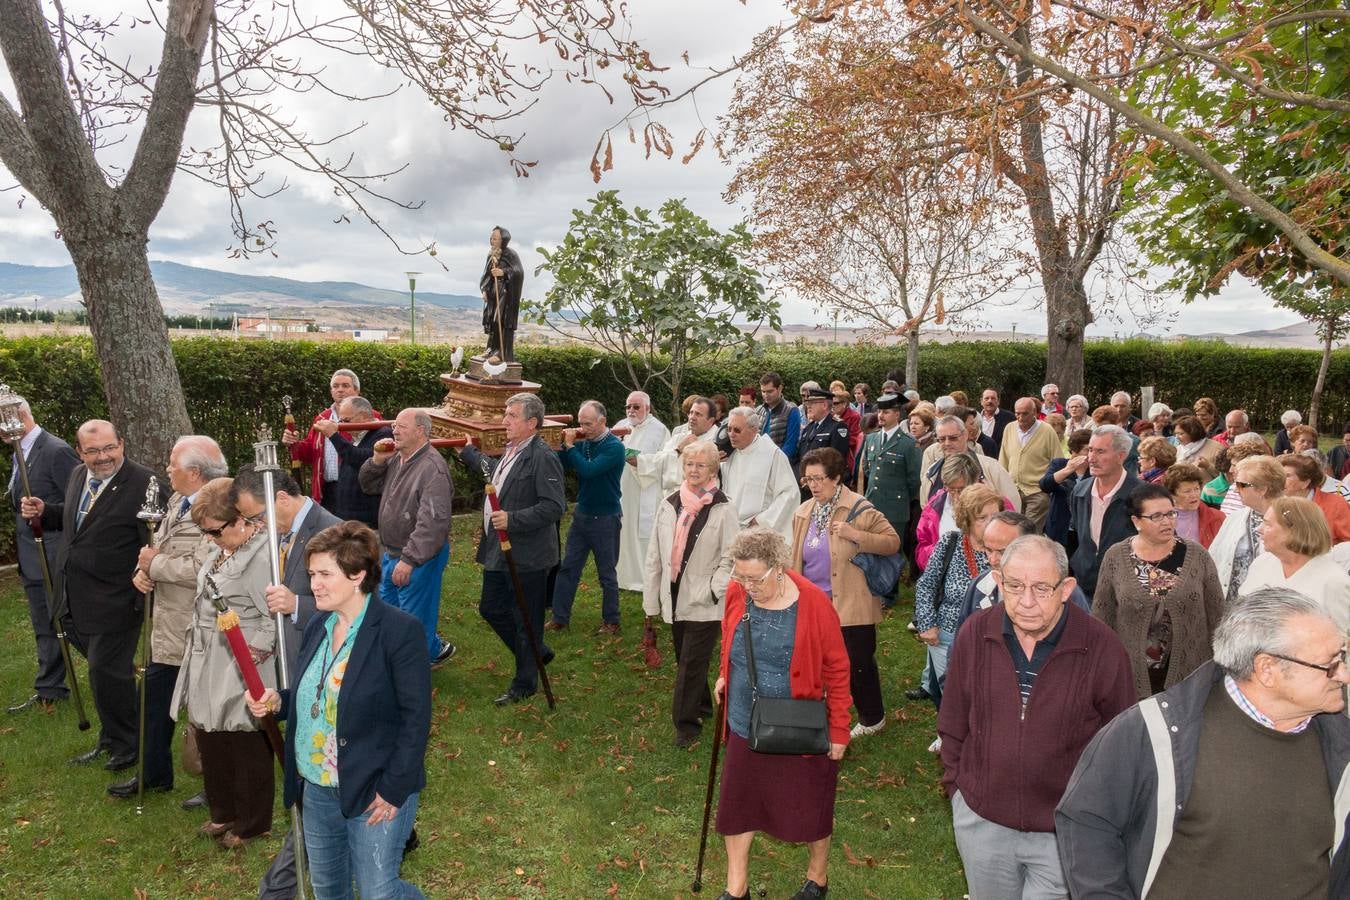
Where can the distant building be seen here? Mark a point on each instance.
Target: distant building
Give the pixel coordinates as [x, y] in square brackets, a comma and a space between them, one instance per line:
[274, 325]
[370, 334]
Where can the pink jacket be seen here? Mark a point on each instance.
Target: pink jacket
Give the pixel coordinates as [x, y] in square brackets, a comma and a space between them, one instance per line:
[927, 533]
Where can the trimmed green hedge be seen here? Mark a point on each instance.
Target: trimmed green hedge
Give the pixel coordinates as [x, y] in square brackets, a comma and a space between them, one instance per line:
[232, 386]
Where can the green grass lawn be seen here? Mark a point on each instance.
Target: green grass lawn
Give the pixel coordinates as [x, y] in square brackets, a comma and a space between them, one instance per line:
[591, 800]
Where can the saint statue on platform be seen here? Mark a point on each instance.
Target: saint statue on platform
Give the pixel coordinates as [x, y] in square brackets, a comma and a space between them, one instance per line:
[501, 284]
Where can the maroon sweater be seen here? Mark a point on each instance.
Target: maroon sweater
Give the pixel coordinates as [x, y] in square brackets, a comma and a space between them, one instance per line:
[1013, 770]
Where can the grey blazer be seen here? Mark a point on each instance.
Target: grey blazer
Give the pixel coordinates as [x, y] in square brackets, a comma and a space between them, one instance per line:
[50, 462]
[295, 578]
[534, 499]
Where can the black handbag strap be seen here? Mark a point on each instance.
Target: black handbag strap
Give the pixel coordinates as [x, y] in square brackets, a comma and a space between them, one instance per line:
[750, 657]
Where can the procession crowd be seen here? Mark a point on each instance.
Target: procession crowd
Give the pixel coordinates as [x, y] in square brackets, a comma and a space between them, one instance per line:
[1135, 625]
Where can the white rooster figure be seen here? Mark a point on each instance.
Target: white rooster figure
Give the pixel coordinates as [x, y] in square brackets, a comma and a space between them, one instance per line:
[456, 357]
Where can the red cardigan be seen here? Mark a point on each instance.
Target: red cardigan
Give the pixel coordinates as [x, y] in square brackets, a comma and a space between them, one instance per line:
[819, 659]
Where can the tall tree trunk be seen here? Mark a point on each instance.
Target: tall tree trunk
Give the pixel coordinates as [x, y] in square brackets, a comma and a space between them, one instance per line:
[140, 376]
[912, 359]
[1328, 335]
[1067, 314]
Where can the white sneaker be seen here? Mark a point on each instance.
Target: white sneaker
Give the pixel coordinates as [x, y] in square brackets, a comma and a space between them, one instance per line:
[936, 746]
[861, 730]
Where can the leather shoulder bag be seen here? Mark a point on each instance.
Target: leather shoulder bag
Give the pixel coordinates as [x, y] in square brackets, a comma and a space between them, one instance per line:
[783, 725]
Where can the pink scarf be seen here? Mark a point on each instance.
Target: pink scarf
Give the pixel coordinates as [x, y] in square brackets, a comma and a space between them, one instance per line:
[690, 505]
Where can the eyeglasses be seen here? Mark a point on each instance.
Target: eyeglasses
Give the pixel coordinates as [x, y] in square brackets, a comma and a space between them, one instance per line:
[1242, 484]
[815, 479]
[1330, 668]
[99, 451]
[1039, 590]
[1157, 517]
[749, 583]
[216, 532]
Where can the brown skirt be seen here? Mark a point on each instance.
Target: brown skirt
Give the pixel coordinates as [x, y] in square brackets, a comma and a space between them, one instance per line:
[788, 797]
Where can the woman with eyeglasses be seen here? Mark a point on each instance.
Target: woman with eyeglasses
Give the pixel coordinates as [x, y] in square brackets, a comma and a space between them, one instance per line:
[687, 573]
[799, 652]
[1160, 593]
[1297, 556]
[828, 531]
[1259, 482]
[237, 764]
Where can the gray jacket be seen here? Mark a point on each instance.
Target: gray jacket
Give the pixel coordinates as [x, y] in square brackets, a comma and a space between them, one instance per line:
[534, 501]
[1117, 815]
[415, 503]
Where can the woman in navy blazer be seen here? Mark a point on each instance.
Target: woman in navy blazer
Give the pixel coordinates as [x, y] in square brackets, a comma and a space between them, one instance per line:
[357, 719]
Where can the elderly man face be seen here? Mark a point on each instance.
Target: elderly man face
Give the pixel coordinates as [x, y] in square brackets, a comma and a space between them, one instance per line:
[185, 480]
[699, 418]
[951, 437]
[1235, 423]
[408, 435]
[816, 408]
[342, 387]
[590, 424]
[989, 402]
[1050, 394]
[1033, 592]
[1123, 406]
[997, 536]
[1025, 410]
[347, 413]
[739, 431]
[1297, 683]
[637, 406]
[1104, 460]
[517, 427]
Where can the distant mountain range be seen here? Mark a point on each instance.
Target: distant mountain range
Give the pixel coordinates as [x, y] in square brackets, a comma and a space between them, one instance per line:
[188, 289]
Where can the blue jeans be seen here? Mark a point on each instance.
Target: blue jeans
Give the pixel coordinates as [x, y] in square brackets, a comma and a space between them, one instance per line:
[935, 672]
[421, 596]
[589, 534]
[342, 849]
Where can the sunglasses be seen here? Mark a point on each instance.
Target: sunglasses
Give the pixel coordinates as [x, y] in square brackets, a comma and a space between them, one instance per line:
[216, 532]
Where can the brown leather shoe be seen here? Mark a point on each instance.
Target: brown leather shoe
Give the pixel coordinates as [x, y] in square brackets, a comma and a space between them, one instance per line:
[608, 628]
[555, 625]
[215, 829]
[231, 841]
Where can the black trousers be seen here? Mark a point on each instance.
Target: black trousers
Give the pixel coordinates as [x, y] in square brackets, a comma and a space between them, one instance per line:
[497, 606]
[864, 678]
[50, 682]
[694, 645]
[112, 681]
[159, 682]
[240, 777]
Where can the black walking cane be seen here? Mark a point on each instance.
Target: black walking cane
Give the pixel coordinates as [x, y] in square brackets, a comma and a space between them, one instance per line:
[150, 514]
[720, 712]
[491, 491]
[12, 428]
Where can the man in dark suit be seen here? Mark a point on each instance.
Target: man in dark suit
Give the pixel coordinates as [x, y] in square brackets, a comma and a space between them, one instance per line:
[299, 519]
[1098, 505]
[992, 419]
[529, 482]
[94, 568]
[352, 502]
[50, 462]
[822, 429]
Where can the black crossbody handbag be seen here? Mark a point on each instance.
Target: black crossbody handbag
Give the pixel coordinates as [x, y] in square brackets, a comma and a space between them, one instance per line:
[784, 725]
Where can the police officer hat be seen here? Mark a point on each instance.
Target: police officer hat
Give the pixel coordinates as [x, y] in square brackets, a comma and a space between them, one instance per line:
[817, 393]
[889, 401]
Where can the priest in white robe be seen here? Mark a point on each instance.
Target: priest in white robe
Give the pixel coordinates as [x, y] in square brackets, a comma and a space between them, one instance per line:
[646, 434]
[664, 469]
[757, 476]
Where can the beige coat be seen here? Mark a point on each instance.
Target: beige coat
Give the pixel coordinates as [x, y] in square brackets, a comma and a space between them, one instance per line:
[703, 585]
[852, 600]
[209, 681]
[182, 549]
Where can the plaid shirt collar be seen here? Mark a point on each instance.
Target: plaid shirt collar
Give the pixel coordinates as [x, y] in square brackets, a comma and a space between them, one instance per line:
[1255, 714]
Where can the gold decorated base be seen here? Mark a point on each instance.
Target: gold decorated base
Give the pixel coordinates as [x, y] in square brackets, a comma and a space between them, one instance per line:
[475, 408]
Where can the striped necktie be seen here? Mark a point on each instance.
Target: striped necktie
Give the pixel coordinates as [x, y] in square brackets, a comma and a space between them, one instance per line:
[87, 501]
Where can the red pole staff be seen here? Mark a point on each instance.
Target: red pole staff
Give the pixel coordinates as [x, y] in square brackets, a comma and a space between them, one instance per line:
[227, 622]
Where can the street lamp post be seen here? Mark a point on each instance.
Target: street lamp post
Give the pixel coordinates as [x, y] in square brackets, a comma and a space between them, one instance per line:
[412, 305]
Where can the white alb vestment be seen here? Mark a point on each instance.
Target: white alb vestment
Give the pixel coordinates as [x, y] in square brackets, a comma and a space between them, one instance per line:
[638, 503]
[760, 482]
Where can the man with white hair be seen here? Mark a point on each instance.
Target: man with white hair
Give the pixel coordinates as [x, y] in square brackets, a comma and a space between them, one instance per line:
[50, 462]
[1098, 505]
[1230, 783]
[757, 476]
[944, 404]
[1049, 402]
[1235, 424]
[1289, 420]
[664, 468]
[646, 434]
[169, 566]
[1123, 404]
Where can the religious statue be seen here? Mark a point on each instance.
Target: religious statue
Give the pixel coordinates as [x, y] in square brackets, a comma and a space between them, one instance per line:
[501, 284]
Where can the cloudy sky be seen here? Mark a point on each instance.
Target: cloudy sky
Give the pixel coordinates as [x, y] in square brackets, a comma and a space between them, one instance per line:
[468, 187]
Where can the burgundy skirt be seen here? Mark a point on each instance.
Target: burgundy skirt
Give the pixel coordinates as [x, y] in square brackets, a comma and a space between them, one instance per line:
[788, 797]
